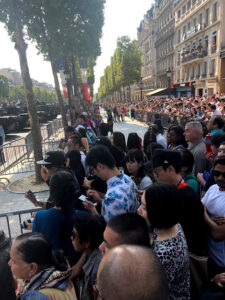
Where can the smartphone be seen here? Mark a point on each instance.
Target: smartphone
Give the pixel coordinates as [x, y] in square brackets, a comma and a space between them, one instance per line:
[30, 195]
[82, 198]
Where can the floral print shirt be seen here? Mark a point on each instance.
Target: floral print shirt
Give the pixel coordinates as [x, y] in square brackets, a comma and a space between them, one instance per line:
[121, 197]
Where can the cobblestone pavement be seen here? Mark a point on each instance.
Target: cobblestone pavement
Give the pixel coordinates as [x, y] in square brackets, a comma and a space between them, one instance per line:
[10, 201]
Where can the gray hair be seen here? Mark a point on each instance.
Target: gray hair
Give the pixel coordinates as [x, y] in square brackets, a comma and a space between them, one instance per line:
[196, 126]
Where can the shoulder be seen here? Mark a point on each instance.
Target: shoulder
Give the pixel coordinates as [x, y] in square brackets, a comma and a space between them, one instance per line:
[213, 190]
[34, 295]
[145, 182]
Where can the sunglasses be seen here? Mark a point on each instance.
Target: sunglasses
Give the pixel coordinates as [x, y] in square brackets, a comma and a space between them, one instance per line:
[221, 150]
[218, 173]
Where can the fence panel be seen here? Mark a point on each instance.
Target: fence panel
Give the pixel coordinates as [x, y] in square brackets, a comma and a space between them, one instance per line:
[11, 222]
[18, 157]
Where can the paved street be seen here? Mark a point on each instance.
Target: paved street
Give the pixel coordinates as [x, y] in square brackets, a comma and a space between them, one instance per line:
[16, 201]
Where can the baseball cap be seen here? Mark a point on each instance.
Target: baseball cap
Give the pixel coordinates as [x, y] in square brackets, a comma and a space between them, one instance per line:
[55, 158]
[164, 158]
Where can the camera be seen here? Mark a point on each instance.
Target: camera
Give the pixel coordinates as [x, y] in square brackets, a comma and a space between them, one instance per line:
[24, 224]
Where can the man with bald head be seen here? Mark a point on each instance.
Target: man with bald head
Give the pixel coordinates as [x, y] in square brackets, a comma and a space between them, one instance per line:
[131, 272]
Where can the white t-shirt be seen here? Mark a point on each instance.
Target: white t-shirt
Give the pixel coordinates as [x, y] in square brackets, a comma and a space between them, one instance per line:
[214, 201]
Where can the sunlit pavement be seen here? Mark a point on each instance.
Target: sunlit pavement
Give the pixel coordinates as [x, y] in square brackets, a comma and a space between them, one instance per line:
[130, 126]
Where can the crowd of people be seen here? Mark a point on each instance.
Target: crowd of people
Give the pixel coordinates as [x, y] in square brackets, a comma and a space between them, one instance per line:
[126, 219]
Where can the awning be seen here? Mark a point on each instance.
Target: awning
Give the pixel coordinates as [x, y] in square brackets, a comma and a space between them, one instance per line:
[155, 92]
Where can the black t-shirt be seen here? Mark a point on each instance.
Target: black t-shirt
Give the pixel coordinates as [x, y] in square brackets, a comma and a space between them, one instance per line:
[192, 221]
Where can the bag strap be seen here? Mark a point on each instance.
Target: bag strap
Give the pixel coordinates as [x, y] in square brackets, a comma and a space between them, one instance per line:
[180, 186]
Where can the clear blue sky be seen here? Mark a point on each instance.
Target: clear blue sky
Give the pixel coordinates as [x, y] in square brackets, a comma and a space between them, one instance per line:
[122, 17]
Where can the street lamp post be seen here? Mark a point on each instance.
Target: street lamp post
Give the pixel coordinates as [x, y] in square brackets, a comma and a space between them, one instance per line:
[169, 74]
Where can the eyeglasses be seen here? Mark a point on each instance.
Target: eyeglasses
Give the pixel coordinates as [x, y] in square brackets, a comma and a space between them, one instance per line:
[221, 150]
[218, 173]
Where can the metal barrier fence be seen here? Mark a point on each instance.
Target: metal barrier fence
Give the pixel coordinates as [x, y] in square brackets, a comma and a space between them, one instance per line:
[166, 120]
[17, 156]
[10, 222]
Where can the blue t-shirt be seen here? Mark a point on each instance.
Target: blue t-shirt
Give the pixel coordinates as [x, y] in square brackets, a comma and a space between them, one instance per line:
[50, 223]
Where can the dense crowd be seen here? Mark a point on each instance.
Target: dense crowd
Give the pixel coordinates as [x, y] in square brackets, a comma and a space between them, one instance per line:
[127, 219]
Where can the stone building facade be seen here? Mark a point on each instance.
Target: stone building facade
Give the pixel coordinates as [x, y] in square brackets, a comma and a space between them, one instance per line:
[146, 40]
[186, 37]
[164, 41]
[198, 37]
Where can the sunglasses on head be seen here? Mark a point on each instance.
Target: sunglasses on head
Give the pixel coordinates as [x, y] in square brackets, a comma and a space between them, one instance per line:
[218, 173]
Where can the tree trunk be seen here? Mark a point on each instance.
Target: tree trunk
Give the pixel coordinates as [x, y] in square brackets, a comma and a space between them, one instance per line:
[21, 47]
[54, 72]
[69, 89]
[58, 93]
[75, 87]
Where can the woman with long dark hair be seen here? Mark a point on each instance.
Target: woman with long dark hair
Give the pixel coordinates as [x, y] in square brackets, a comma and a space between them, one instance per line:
[134, 166]
[161, 206]
[45, 274]
[73, 161]
[56, 223]
[118, 140]
[133, 141]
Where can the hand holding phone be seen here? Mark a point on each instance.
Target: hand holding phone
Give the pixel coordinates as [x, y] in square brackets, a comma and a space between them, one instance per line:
[30, 195]
[82, 198]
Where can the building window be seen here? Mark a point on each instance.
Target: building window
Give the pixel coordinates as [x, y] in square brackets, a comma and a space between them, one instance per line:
[184, 9]
[199, 70]
[178, 14]
[215, 11]
[193, 2]
[207, 17]
[214, 42]
[200, 20]
[194, 24]
[206, 43]
[189, 26]
[193, 72]
[205, 69]
[212, 70]
[188, 5]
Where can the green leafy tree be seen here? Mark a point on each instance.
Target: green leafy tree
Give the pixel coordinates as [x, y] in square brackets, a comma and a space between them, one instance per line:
[65, 28]
[4, 86]
[12, 15]
[124, 69]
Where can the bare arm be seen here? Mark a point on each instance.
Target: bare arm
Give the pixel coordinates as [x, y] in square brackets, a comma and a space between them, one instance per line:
[217, 232]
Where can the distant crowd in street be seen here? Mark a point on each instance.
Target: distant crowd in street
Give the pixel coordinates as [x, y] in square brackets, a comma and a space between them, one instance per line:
[127, 219]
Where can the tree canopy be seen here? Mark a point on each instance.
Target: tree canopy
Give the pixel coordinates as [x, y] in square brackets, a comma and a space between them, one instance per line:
[4, 86]
[124, 69]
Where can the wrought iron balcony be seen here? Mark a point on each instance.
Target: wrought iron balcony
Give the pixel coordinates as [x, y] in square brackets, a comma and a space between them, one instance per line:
[203, 75]
[195, 54]
[212, 74]
[197, 76]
